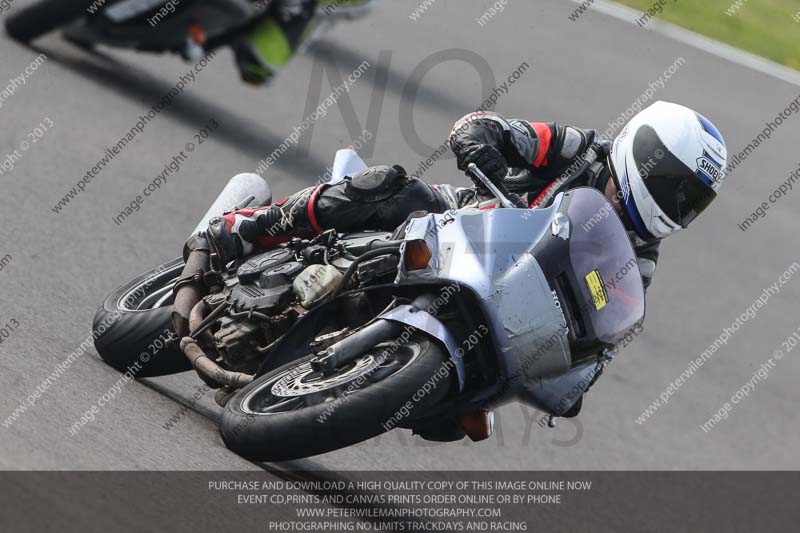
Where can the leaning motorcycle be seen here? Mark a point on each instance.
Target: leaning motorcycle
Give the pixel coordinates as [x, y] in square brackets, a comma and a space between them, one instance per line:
[186, 27]
[320, 343]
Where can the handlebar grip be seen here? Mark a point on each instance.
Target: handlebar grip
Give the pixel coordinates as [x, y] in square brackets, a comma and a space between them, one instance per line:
[516, 200]
[512, 197]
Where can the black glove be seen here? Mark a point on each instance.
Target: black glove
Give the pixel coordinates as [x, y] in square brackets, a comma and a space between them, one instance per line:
[487, 158]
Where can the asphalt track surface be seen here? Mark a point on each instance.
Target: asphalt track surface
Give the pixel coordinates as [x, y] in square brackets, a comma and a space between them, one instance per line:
[585, 73]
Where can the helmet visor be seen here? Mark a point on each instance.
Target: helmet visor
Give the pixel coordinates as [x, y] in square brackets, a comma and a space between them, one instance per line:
[677, 189]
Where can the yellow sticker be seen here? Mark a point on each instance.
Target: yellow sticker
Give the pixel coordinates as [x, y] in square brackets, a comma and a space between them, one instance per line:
[597, 289]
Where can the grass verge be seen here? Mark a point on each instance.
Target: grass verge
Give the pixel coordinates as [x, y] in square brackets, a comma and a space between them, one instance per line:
[769, 28]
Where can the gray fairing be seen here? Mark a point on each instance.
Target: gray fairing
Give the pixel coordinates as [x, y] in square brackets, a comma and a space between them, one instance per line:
[496, 255]
[490, 252]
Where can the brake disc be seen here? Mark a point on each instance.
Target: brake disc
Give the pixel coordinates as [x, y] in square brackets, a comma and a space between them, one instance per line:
[301, 380]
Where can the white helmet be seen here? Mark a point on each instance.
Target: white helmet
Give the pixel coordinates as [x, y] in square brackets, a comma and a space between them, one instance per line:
[668, 163]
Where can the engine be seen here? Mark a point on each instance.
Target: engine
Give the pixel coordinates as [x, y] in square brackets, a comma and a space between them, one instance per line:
[277, 286]
[261, 307]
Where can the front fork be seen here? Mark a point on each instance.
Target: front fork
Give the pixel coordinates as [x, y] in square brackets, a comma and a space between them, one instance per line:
[389, 326]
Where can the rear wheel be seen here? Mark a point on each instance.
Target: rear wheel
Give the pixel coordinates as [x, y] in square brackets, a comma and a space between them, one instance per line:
[295, 411]
[135, 321]
[42, 17]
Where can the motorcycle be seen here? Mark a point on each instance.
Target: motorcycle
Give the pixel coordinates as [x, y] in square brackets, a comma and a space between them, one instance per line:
[190, 28]
[320, 343]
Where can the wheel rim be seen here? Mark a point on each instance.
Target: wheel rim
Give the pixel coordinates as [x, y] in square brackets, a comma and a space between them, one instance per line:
[300, 386]
[152, 292]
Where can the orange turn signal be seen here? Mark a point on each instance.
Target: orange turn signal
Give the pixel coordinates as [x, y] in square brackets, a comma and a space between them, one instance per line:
[418, 255]
[198, 34]
[478, 425]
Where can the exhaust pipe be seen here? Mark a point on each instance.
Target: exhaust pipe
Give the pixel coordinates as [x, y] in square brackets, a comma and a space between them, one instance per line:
[189, 311]
[189, 286]
[243, 190]
[211, 370]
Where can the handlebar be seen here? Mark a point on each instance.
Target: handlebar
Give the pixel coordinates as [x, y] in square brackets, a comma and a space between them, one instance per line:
[506, 198]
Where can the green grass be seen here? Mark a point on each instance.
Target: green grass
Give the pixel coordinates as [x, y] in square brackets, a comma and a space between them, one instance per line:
[764, 27]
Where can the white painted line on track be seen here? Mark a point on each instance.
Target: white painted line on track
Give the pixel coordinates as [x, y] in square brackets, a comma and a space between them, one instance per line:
[717, 48]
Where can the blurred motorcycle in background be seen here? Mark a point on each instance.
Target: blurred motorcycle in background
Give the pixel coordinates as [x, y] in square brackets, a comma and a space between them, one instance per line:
[190, 28]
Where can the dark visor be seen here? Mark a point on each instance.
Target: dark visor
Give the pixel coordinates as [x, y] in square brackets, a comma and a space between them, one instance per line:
[676, 188]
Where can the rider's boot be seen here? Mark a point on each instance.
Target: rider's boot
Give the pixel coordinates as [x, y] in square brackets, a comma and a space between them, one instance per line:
[235, 235]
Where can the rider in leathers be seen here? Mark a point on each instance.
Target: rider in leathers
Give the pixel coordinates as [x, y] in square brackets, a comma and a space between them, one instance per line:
[528, 158]
[663, 169]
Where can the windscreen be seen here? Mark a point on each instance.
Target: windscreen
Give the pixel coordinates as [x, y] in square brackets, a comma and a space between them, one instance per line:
[602, 258]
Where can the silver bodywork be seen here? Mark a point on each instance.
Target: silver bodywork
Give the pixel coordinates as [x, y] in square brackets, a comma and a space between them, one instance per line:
[489, 252]
[493, 254]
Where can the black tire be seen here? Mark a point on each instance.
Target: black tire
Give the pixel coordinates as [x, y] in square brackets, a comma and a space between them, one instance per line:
[298, 433]
[127, 331]
[43, 17]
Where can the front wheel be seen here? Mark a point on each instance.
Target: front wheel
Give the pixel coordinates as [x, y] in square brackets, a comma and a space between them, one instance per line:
[42, 17]
[295, 411]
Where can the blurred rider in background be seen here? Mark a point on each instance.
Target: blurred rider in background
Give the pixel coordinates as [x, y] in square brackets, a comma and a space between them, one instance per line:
[287, 25]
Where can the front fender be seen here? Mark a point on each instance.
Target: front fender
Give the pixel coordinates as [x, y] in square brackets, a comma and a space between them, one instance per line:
[424, 321]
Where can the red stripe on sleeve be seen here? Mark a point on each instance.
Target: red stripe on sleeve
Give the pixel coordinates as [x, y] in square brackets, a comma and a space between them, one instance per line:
[312, 216]
[545, 137]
